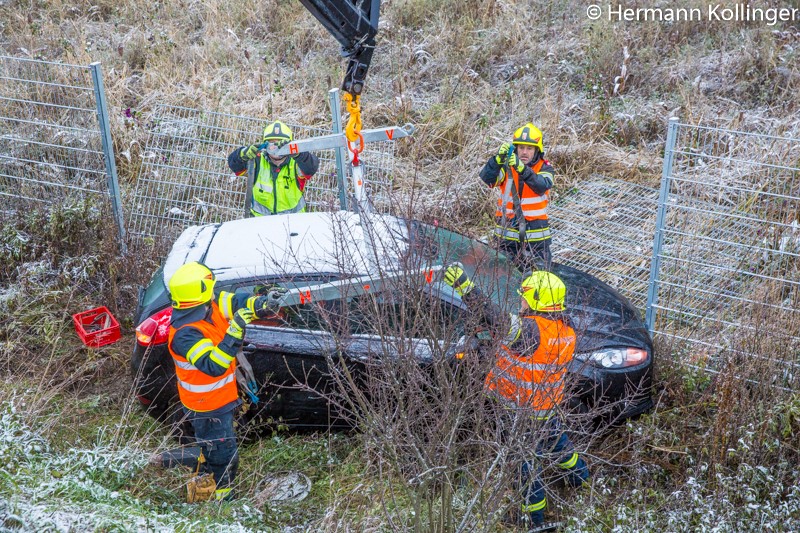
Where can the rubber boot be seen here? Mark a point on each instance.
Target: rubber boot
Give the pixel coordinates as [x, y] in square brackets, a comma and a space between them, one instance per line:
[224, 495]
[546, 526]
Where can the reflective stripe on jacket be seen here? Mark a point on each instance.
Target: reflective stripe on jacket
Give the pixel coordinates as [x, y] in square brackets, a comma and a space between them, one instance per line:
[534, 207]
[276, 193]
[536, 380]
[197, 390]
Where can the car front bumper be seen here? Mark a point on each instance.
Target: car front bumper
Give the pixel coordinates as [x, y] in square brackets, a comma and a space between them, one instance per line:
[619, 393]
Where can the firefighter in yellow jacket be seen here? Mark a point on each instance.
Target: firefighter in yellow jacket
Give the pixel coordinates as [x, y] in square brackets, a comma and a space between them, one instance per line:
[530, 371]
[522, 227]
[204, 336]
[278, 182]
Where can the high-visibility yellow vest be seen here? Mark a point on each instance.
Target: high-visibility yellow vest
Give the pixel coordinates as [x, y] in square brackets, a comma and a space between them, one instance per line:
[273, 194]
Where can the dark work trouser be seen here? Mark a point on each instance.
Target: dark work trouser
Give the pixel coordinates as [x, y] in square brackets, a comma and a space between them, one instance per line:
[216, 437]
[555, 445]
[538, 256]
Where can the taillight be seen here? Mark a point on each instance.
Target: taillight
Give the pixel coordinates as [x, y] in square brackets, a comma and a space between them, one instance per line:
[155, 329]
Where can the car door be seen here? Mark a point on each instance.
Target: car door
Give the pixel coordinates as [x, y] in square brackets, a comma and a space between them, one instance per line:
[291, 354]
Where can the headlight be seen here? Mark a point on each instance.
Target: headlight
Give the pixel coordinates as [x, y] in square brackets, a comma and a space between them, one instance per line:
[614, 357]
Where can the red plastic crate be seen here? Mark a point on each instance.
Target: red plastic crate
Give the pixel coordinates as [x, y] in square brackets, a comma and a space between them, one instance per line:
[96, 327]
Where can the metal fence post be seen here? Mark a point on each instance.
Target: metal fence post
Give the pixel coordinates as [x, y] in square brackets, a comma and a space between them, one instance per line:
[108, 150]
[658, 238]
[341, 156]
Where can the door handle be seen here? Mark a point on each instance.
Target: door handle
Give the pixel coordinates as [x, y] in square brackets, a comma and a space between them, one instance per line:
[249, 348]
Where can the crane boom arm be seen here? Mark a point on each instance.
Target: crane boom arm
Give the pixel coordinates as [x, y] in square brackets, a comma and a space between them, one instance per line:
[354, 23]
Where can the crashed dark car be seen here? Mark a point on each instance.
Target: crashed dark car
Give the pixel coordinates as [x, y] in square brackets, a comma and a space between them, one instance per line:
[333, 261]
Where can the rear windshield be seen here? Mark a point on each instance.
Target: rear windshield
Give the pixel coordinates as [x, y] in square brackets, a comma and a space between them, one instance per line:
[156, 292]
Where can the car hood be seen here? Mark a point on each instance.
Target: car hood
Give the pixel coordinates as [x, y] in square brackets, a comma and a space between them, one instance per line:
[600, 315]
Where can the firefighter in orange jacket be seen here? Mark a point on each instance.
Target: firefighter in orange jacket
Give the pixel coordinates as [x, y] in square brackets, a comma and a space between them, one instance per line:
[527, 240]
[204, 336]
[530, 372]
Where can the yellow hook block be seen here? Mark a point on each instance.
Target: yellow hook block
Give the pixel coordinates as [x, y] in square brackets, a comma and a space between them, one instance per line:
[353, 106]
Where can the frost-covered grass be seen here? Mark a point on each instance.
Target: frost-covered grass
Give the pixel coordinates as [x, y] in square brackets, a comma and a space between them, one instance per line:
[704, 460]
[63, 472]
[748, 499]
[105, 485]
[48, 488]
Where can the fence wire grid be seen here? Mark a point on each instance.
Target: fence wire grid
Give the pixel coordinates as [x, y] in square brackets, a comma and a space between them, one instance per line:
[185, 179]
[52, 136]
[727, 248]
[605, 227]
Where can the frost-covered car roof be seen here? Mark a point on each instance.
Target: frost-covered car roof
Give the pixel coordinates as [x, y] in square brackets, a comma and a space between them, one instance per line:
[299, 243]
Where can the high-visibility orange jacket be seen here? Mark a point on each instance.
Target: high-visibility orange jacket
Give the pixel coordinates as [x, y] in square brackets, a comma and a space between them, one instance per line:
[206, 391]
[533, 185]
[531, 374]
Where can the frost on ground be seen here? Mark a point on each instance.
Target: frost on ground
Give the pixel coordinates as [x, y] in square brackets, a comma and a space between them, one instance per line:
[83, 489]
[751, 499]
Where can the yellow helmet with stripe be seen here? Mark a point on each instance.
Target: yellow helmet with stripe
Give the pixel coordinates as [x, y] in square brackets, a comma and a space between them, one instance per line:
[191, 285]
[530, 135]
[277, 132]
[544, 292]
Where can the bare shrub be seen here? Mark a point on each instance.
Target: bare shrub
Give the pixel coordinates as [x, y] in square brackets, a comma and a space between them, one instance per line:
[407, 371]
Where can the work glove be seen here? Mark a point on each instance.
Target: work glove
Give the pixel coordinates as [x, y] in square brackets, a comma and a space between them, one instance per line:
[252, 391]
[240, 319]
[200, 488]
[249, 152]
[269, 305]
[515, 163]
[455, 276]
[500, 158]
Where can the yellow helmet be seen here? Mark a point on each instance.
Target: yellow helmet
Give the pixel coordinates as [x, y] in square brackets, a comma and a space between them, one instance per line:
[544, 292]
[277, 132]
[530, 135]
[191, 285]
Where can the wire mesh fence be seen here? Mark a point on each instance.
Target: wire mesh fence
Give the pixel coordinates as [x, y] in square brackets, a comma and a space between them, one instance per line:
[605, 227]
[185, 179]
[726, 276]
[53, 144]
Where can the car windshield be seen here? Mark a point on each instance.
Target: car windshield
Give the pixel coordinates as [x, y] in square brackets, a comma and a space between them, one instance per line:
[491, 271]
[601, 316]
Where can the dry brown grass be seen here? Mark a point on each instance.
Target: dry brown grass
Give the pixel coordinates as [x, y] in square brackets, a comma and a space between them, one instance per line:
[467, 73]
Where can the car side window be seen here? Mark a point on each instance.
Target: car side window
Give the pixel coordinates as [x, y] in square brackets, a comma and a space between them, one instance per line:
[408, 314]
[418, 315]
